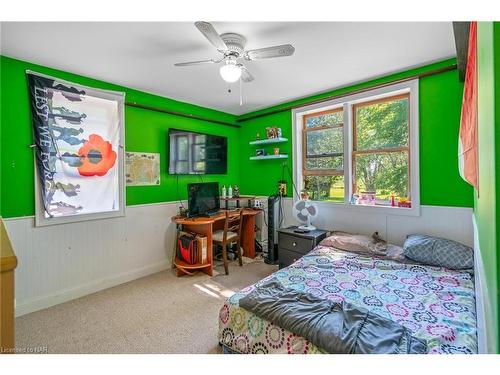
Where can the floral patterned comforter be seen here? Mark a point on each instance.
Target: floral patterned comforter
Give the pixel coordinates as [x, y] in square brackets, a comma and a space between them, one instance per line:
[436, 303]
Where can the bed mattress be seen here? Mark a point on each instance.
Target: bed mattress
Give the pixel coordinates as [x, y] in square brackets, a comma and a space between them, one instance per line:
[435, 303]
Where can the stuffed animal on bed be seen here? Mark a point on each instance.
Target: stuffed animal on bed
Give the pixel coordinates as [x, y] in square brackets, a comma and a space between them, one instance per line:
[362, 244]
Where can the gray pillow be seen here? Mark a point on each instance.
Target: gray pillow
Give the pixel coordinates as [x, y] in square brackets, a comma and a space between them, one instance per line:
[440, 252]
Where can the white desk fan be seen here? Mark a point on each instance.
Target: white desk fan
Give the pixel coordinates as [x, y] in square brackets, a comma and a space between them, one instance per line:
[304, 210]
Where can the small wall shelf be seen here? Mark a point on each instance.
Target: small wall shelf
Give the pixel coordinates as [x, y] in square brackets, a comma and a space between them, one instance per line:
[268, 141]
[280, 156]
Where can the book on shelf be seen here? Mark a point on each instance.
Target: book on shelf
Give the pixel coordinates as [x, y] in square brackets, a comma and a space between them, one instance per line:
[202, 246]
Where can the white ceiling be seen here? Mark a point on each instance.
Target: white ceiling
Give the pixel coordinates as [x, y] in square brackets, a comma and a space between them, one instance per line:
[141, 55]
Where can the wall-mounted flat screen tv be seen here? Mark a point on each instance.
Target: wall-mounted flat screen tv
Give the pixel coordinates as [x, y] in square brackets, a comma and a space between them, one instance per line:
[196, 153]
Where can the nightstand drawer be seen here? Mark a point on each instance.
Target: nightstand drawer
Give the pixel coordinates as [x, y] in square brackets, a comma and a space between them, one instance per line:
[295, 243]
[287, 257]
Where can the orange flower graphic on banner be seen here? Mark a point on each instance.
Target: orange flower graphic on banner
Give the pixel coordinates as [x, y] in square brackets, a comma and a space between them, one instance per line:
[97, 157]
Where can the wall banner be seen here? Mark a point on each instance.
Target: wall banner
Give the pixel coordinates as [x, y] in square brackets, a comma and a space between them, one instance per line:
[78, 134]
[468, 159]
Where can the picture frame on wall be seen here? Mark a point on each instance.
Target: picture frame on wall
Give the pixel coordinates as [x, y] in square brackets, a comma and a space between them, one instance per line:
[260, 152]
[142, 168]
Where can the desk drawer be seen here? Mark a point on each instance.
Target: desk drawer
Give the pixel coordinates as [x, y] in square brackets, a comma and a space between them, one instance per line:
[287, 257]
[296, 244]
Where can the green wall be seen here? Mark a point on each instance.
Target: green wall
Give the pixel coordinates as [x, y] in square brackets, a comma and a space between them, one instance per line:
[440, 100]
[145, 131]
[486, 209]
[440, 103]
[261, 176]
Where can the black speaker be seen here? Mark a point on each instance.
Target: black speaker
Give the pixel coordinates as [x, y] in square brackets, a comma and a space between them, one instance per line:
[273, 221]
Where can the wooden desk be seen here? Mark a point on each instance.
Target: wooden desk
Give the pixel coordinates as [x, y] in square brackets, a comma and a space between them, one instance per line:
[206, 226]
[8, 263]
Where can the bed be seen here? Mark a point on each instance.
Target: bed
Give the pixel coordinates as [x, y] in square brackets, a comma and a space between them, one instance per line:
[435, 303]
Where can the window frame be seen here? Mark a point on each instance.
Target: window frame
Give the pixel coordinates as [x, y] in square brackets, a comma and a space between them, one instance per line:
[385, 150]
[305, 130]
[347, 102]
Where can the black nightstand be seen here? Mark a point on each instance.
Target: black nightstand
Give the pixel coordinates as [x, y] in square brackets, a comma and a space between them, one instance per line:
[292, 246]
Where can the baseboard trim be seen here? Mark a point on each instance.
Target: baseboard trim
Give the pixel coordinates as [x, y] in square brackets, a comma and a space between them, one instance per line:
[89, 288]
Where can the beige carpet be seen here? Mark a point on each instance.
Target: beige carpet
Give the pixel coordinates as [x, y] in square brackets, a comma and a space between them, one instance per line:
[155, 314]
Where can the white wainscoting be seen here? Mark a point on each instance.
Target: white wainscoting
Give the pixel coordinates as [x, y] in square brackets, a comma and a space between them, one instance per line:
[62, 262]
[449, 222]
[486, 338]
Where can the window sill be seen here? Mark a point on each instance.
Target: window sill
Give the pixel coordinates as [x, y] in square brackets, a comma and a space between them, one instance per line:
[386, 210]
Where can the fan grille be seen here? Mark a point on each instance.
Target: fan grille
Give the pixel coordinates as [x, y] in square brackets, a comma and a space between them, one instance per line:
[304, 210]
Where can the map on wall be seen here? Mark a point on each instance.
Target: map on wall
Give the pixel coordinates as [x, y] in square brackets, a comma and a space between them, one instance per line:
[142, 168]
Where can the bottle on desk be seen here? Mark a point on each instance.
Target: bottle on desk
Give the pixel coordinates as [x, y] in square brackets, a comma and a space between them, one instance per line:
[230, 192]
[223, 191]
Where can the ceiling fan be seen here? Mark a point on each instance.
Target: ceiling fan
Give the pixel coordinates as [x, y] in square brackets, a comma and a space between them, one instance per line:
[232, 47]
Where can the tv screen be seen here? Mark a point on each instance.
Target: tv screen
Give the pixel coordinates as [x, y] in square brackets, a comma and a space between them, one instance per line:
[203, 198]
[196, 153]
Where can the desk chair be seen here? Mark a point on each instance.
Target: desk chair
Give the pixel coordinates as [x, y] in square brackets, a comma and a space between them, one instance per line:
[231, 234]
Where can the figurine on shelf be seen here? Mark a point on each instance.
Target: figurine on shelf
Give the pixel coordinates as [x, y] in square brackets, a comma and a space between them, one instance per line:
[367, 198]
[257, 137]
[236, 191]
[354, 199]
[272, 132]
[404, 202]
[304, 195]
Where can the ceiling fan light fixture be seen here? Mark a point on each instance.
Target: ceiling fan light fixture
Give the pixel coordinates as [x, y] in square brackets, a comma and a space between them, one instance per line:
[230, 71]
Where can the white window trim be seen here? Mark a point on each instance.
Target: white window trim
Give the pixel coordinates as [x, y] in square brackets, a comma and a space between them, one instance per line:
[347, 102]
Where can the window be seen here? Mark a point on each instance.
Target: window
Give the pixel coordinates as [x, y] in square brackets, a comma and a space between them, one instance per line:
[323, 150]
[361, 150]
[381, 151]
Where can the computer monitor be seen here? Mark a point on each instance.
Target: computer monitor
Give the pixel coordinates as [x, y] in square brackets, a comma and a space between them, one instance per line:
[203, 198]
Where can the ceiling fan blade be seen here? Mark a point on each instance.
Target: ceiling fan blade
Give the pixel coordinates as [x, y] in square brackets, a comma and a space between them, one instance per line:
[213, 37]
[270, 52]
[246, 76]
[201, 62]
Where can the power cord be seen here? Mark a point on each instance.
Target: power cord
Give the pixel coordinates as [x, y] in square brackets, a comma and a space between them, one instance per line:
[291, 179]
[177, 188]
